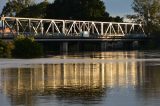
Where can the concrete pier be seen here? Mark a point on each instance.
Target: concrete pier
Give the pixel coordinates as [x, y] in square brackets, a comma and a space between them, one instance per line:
[104, 46]
[64, 47]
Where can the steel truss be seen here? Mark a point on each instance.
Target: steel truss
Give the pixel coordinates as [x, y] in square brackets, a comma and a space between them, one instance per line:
[54, 27]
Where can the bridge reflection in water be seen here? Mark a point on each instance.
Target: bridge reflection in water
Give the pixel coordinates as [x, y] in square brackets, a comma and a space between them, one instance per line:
[88, 80]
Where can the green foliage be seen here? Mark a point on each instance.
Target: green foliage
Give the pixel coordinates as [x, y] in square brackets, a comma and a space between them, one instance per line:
[13, 7]
[34, 11]
[76, 9]
[79, 10]
[149, 12]
[5, 49]
[59, 9]
[115, 19]
[26, 48]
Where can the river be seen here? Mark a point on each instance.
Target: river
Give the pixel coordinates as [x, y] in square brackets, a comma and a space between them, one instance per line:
[119, 78]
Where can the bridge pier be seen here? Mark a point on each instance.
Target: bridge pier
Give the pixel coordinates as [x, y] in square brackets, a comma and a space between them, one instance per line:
[119, 45]
[104, 46]
[64, 47]
[131, 45]
[77, 46]
[135, 44]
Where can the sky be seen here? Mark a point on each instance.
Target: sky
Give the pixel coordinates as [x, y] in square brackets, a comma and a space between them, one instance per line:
[119, 7]
[114, 7]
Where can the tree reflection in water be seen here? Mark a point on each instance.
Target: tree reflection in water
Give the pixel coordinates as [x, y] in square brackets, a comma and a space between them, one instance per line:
[72, 81]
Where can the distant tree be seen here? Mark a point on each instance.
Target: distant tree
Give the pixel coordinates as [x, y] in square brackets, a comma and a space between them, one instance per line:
[76, 9]
[149, 12]
[13, 7]
[115, 19]
[34, 11]
[118, 19]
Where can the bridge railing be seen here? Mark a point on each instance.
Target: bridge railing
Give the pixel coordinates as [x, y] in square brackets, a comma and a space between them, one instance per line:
[52, 27]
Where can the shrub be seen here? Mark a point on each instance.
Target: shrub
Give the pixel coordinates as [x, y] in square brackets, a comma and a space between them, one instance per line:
[5, 49]
[25, 47]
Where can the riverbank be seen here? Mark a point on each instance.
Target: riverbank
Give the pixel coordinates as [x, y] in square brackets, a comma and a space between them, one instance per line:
[28, 48]
[20, 47]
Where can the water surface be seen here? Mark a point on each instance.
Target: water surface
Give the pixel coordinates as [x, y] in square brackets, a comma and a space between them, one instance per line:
[82, 79]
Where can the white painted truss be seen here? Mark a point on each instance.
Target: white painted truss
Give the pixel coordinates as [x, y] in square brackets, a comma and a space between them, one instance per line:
[54, 27]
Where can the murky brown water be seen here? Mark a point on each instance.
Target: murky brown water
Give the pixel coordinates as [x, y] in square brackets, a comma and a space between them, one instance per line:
[82, 79]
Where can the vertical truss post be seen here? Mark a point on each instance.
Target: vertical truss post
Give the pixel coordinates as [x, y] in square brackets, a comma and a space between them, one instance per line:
[84, 23]
[92, 28]
[133, 26]
[142, 27]
[42, 28]
[3, 25]
[110, 31]
[118, 28]
[29, 25]
[17, 26]
[74, 26]
[88, 27]
[52, 28]
[126, 29]
[102, 29]
[63, 28]
[79, 25]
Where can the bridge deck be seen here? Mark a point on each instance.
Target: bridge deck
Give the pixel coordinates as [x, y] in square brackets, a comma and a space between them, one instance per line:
[80, 38]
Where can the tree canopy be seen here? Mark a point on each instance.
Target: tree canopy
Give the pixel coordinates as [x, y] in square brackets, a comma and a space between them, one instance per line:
[13, 7]
[5, 49]
[148, 11]
[60, 9]
[34, 11]
[25, 47]
[76, 9]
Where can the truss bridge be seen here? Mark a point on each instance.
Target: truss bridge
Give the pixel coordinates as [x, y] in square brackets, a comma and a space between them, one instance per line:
[69, 31]
[48, 28]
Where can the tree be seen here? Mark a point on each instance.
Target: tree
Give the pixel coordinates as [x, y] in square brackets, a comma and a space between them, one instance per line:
[76, 9]
[5, 49]
[25, 47]
[34, 11]
[149, 12]
[13, 7]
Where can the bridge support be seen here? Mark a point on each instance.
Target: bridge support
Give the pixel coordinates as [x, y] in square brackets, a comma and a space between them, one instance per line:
[104, 46]
[77, 46]
[64, 47]
[119, 45]
[135, 44]
[130, 45]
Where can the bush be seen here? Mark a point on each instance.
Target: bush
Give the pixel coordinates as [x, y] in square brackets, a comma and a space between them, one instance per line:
[5, 49]
[26, 48]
